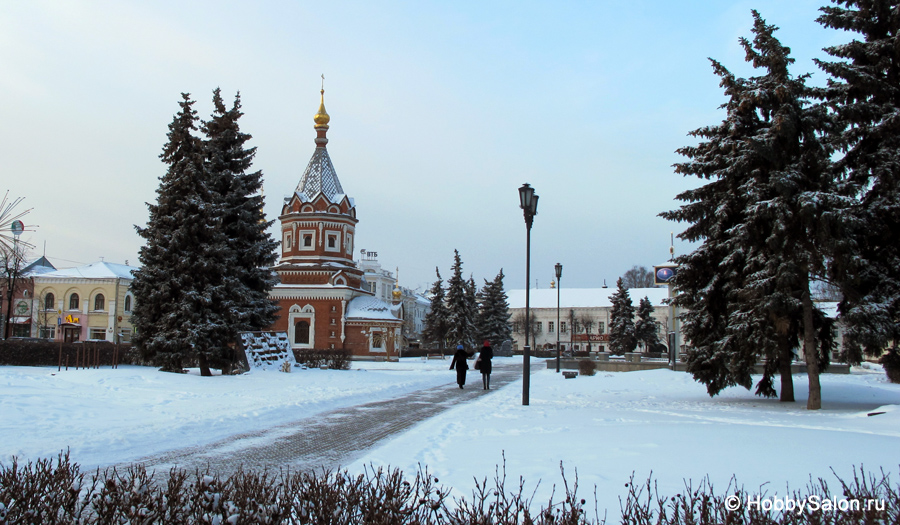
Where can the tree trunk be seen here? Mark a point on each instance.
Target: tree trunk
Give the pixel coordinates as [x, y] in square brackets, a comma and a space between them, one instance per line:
[812, 355]
[784, 369]
[204, 366]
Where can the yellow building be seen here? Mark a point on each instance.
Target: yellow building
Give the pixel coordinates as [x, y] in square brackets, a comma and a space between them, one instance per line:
[91, 302]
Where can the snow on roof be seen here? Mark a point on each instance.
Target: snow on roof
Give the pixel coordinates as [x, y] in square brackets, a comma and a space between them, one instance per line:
[582, 297]
[97, 270]
[368, 307]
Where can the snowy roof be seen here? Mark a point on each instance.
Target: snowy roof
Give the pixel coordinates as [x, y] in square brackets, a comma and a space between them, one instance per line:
[368, 307]
[320, 177]
[97, 270]
[582, 297]
[38, 267]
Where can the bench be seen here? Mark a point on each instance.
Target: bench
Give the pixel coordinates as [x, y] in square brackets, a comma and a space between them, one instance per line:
[570, 375]
[434, 356]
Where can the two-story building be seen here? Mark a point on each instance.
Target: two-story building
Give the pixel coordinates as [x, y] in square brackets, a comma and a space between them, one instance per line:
[91, 302]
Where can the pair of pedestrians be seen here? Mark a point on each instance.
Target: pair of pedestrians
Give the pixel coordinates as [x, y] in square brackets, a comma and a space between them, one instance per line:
[482, 364]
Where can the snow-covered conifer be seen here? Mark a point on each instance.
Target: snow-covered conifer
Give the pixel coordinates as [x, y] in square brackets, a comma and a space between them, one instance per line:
[436, 320]
[646, 329]
[764, 227]
[864, 99]
[461, 316]
[493, 314]
[621, 321]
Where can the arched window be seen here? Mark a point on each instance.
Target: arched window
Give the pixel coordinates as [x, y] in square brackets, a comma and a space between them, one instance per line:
[99, 302]
[73, 301]
[127, 303]
[301, 332]
[49, 302]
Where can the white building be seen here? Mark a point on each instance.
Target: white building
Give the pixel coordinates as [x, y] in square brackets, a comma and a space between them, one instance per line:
[583, 316]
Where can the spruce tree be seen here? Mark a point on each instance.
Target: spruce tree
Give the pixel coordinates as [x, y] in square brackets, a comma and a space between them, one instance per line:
[863, 95]
[436, 320]
[251, 251]
[178, 289]
[646, 329]
[461, 317]
[764, 225]
[493, 314]
[621, 321]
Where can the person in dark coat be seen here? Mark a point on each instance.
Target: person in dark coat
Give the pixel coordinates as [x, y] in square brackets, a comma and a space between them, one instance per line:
[460, 364]
[484, 364]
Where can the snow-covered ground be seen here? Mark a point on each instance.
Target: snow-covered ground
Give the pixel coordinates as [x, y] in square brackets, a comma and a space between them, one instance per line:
[606, 426]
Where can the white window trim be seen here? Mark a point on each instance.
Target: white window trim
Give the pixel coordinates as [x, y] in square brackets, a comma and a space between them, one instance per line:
[301, 245]
[297, 313]
[336, 234]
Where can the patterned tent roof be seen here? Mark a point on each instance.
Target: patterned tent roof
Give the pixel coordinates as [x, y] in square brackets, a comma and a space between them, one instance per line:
[320, 177]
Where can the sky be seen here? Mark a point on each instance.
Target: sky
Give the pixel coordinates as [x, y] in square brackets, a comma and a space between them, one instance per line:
[439, 112]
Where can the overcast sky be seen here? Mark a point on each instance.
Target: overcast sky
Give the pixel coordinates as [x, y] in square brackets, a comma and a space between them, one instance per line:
[439, 112]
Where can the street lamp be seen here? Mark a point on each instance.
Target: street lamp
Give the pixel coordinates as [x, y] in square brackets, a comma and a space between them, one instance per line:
[528, 201]
[558, 269]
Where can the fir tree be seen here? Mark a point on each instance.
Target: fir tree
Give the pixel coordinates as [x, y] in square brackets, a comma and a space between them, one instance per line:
[646, 329]
[251, 251]
[763, 225]
[621, 321]
[436, 320]
[864, 98]
[493, 314]
[178, 290]
[461, 316]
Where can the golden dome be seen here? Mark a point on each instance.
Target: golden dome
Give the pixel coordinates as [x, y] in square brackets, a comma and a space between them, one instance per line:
[321, 119]
[397, 293]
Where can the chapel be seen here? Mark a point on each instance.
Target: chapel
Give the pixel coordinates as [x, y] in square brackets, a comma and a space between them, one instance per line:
[324, 298]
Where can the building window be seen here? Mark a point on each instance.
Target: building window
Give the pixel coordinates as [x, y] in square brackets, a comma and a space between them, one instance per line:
[601, 328]
[47, 332]
[127, 303]
[562, 327]
[308, 240]
[98, 334]
[287, 241]
[73, 301]
[550, 326]
[377, 340]
[50, 302]
[99, 302]
[125, 335]
[301, 332]
[539, 326]
[332, 241]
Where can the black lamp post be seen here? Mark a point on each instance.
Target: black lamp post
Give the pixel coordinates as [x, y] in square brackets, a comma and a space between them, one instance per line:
[528, 201]
[558, 269]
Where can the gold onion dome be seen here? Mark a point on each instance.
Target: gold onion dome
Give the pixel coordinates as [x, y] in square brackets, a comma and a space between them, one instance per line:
[397, 293]
[322, 117]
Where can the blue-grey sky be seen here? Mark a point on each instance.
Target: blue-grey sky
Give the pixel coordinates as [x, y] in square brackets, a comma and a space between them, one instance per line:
[439, 112]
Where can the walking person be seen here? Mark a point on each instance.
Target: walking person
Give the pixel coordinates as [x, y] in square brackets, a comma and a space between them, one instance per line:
[484, 358]
[459, 362]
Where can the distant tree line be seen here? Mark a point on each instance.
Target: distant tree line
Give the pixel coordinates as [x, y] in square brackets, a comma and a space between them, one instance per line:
[802, 186]
[461, 315]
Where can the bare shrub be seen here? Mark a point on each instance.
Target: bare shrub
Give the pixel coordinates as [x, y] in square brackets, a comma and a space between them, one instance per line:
[586, 367]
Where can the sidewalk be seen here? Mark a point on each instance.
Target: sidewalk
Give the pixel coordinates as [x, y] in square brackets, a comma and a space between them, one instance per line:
[331, 439]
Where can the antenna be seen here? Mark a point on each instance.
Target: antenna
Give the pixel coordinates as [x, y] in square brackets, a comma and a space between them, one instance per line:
[672, 246]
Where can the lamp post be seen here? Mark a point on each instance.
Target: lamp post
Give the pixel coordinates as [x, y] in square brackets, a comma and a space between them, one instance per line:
[558, 269]
[528, 201]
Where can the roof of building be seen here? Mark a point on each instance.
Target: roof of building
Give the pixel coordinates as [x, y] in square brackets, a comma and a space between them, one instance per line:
[368, 307]
[38, 267]
[320, 176]
[97, 270]
[582, 297]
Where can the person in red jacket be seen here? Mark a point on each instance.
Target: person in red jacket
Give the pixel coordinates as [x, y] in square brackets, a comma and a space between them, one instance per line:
[484, 364]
